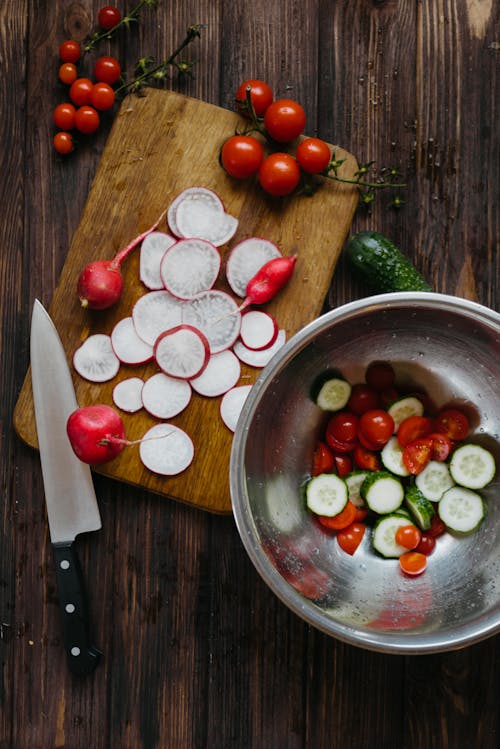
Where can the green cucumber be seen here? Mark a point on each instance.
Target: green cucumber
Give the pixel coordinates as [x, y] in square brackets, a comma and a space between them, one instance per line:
[404, 407]
[382, 491]
[392, 457]
[434, 480]
[354, 481]
[461, 510]
[384, 536]
[326, 494]
[330, 390]
[421, 508]
[383, 265]
[472, 466]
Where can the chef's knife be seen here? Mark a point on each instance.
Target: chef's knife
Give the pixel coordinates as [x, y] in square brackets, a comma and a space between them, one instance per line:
[69, 491]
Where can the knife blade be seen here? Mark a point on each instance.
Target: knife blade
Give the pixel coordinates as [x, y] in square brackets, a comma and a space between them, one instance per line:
[69, 491]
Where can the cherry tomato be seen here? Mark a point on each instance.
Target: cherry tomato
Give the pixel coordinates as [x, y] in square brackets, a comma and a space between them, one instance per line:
[343, 426]
[68, 73]
[338, 446]
[377, 426]
[279, 174]
[408, 536]
[63, 142]
[108, 17]
[417, 454]
[363, 398]
[341, 520]
[102, 96]
[437, 527]
[412, 428]
[366, 459]
[313, 155]
[64, 116]
[427, 544]
[441, 446]
[107, 70]
[261, 96]
[70, 51]
[343, 464]
[361, 513]
[413, 562]
[86, 119]
[241, 156]
[80, 91]
[350, 538]
[284, 120]
[368, 444]
[452, 422]
[389, 395]
[380, 375]
[323, 459]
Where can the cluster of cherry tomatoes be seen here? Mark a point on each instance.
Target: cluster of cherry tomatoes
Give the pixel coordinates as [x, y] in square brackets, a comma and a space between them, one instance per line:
[280, 122]
[87, 97]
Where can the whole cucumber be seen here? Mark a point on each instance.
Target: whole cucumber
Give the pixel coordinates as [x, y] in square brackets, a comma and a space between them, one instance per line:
[383, 265]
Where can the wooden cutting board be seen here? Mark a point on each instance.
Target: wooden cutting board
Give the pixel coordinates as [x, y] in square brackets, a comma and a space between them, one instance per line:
[160, 144]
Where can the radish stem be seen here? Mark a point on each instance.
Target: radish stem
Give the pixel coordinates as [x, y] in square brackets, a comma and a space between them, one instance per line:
[122, 254]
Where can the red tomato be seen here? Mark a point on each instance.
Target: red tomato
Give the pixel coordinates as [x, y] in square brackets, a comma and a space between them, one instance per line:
[350, 538]
[107, 69]
[261, 96]
[368, 444]
[343, 426]
[452, 422]
[389, 395]
[363, 398]
[86, 119]
[241, 156]
[102, 96]
[81, 91]
[361, 513]
[413, 562]
[70, 51]
[417, 454]
[68, 73]
[412, 428]
[313, 155]
[64, 116]
[343, 464]
[441, 446]
[380, 375]
[63, 142]
[377, 426]
[437, 527]
[408, 536]
[323, 460]
[366, 459]
[337, 446]
[427, 544]
[284, 120]
[279, 174]
[341, 520]
[108, 17]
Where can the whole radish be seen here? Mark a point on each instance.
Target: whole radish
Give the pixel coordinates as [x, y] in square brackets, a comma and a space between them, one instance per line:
[96, 433]
[269, 280]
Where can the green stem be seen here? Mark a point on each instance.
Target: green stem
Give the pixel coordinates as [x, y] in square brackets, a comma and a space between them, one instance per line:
[125, 21]
[361, 183]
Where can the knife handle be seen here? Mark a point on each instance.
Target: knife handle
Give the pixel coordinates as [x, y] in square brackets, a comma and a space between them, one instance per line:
[82, 655]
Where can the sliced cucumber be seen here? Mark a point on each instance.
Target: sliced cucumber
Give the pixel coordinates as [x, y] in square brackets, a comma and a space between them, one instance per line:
[326, 494]
[403, 512]
[382, 492]
[434, 480]
[331, 391]
[421, 509]
[403, 407]
[461, 509]
[472, 466]
[392, 457]
[384, 536]
[354, 481]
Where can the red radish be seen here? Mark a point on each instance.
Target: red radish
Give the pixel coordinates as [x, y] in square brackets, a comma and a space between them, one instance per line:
[232, 403]
[189, 267]
[182, 352]
[259, 329]
[164, 397]
[220, 375]
[154, 313]
[95, 359]
[245, 259]
[100, 283]
[96, 433]
[269, 280]
[216, 314]
[127, 394]
[261, 357]
[166, 449]
[153, 248]
[128, 347]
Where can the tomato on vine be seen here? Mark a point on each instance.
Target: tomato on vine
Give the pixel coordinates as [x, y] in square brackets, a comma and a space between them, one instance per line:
[70, 51]
[284, 120]
[313, 155]
[109, 17]
[68, 73]
[241, 156]
[86, 119]
[107, 70]
[261, 96]
[279, 174]
[64, 116]
[102, 96]
[63, 142]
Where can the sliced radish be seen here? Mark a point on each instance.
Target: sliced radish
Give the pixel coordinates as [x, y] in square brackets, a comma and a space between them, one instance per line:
[166, 449]
[127, 394]
[259, 329]
[216, 314]
[220, 375]
[189, 267]
[127, 345]
[182, 351]
[196, 195]
[263, 356]
[152, 250]
[245, 259]
[154, 313]
[202, 220]
[232, 403]
[164, 397]
[95, 359]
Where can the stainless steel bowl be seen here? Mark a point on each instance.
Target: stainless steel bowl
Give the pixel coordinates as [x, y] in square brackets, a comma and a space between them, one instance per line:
[444, 344]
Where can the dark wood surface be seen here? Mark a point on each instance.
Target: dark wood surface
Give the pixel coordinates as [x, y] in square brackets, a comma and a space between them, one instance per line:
[197, 651]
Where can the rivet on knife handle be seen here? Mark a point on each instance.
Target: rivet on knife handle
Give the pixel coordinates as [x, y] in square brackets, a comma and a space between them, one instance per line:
[83, 657]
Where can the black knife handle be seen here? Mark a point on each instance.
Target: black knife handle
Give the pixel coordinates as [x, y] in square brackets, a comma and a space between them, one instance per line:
[82, 655]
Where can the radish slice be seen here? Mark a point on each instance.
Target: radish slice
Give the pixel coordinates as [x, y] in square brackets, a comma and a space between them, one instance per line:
[231, 405]
[245, 259]
[263, 356]
[164, 397]
[220, 375]
[127, 345]
[95, 359]
[166, 449]
[127, 394]
[202, 220]
[152, 250]
[182, 351]
[196, 195]
[189, 267]
[216, 314]
[259, 329]
[154, 313]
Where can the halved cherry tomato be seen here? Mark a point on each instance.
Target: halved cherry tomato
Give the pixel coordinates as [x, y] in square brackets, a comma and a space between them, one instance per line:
[452, 422]
[343, 426]
[366, 459]
[341, 520]
[412, 428]
[343, 464]
[437, 527]
[363, 398]
[427, 544]
[350, 538]
[380, 375]
[261, 96]
[413, 562]
[441, 446]
[417, 454]
[323, 460]
[408, 536]
[377, 426]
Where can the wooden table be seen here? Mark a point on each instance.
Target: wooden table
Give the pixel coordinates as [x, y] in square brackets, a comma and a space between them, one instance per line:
[197, 651]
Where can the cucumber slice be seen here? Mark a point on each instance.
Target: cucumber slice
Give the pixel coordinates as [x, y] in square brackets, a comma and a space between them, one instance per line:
[461, 509]
[392, 457]
[472, 466]
[382, 492]
[434, 480]
[421, 509]
[403, 407]
[354, 481]
[326, 494]
[384, 536]
[331, 391]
